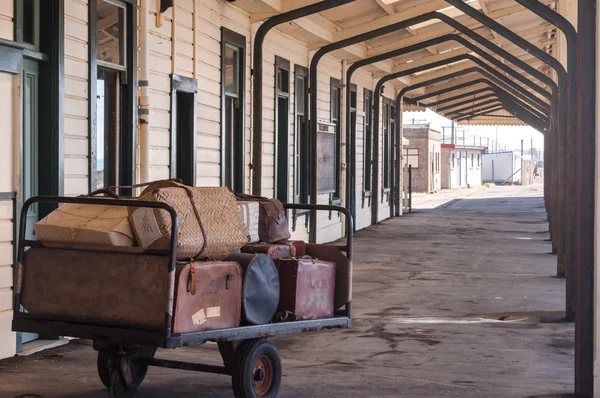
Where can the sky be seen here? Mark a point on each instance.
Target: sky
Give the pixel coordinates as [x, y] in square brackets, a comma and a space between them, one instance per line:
[509, 136]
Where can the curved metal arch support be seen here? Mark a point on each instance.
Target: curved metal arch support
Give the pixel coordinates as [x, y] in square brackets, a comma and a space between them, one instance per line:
[510, 107]
[313, 81]
[257, 81]
[377, 91]
[437, 103]
[566, 239]
[523, 102]
[460, 111]
[498, 92]
[560, 154]
[351, 148]
[465, 102]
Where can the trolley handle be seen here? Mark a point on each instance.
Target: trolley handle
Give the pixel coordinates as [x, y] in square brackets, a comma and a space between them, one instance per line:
[98, 201]
[343, 210]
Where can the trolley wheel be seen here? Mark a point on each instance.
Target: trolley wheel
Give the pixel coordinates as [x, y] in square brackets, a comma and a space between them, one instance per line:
[117, 388]
[107, 363]
[257, 372]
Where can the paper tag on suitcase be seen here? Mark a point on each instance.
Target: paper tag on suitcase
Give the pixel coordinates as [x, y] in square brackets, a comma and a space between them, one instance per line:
[146, 226]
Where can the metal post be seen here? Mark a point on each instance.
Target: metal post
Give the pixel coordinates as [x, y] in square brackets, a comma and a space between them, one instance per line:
[584, 192]
[410, 188]
[453, 133]
[257, 79]
[522, 164]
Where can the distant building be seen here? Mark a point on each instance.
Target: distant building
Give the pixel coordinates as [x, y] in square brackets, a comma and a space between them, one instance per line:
[461, 166]
[502, 168]
[423, 153]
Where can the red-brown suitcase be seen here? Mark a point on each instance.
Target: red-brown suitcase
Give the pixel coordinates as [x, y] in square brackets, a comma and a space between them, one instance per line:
[273, 250]
[307, 288]
[208, 296]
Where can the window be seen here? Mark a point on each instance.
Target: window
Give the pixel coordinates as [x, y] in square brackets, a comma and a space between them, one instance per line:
[411, 157]
[282, 123]
[113, 93]
[478, 160]
[472, 160]
[453, 160]
[183, 128]
[233, 50]
[336, 116]
[387, 126]
[301, 156]
[31, 24]
[40, 141]
[368, 141]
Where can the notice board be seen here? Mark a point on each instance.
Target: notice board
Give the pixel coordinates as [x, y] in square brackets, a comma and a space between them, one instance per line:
[327, 157]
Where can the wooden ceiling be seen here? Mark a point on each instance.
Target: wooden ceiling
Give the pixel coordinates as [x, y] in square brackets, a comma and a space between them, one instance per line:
[365, 15]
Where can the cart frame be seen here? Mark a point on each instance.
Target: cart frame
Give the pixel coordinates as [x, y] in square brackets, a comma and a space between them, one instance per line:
[124, 343]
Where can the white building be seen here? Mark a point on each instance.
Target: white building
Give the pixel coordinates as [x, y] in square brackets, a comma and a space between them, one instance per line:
[461, 166]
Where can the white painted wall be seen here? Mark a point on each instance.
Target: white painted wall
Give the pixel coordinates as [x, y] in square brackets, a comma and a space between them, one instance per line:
[76, 98]
[504, 164]
[8, 125]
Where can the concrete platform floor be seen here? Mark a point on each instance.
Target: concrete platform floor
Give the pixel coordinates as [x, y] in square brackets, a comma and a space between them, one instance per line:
[423, 282]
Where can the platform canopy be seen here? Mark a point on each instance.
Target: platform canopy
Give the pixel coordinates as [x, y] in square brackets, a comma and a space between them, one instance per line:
[475, 102]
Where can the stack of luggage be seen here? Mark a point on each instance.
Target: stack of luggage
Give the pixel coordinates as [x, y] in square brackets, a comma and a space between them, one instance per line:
[236, 262]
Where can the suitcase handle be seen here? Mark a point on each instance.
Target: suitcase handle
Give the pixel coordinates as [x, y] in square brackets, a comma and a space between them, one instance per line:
[343, 210]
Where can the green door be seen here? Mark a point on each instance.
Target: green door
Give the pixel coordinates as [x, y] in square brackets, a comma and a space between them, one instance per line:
[30, 151]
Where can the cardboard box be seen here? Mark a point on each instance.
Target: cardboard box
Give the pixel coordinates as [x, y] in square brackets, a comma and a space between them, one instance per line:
[86, 224]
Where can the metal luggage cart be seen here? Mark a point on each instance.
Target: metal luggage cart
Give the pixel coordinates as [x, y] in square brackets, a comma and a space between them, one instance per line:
[125, 353]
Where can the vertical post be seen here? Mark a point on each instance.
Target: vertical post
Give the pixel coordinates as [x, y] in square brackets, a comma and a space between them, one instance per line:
[493, 179]
[453, 133]
[496, 138]
[410, 188]
[522, 164]
[585, 294]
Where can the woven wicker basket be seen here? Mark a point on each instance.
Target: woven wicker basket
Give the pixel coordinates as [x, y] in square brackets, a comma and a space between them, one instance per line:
[210, 225]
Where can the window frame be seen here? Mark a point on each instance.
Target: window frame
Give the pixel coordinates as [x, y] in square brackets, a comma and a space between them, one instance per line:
[50, 57]
[301, 142]
[231, 38]
[282, 139]
[335, 198]
[367, 144]
[127, 161]
[186, 85]
[406, 155]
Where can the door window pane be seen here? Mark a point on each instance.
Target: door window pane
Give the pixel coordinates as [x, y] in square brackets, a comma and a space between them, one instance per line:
[107, 127]
[232, 71]
[110, 25]
[31, 18]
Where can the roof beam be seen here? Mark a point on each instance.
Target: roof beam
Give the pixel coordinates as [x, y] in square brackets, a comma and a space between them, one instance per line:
[440, 28]
[386, 7]
[485, 10]
[412, 12]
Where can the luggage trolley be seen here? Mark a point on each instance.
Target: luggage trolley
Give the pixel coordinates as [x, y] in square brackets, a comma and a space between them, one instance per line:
[125, 351]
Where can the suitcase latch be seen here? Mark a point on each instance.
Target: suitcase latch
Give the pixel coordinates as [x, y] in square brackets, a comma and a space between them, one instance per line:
[228, 282]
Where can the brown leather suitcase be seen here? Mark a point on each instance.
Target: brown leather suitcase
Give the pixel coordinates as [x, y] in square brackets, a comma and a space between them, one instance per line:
[273, 250]
[272, 224]
[307, 288]
[208, 296]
